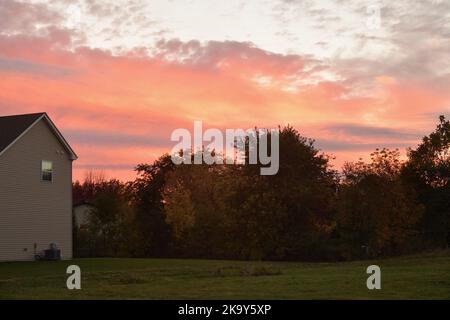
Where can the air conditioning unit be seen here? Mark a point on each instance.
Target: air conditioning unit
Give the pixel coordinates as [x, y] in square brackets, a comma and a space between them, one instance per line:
[52, 253]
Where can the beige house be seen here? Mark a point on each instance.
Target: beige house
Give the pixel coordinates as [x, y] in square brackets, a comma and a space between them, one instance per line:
[35, 187]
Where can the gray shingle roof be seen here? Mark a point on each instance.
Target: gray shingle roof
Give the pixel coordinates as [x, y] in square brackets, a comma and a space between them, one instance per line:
[11, 127]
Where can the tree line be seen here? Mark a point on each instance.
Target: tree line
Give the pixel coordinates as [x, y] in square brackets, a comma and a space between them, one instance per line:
[308, 211]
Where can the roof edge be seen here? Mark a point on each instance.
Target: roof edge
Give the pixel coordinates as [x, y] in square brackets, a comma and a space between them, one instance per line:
[73, 155]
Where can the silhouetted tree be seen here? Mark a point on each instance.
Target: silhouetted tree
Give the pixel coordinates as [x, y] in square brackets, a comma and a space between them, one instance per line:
[378, 213]
[195, 206]
[304, 212]
[147, 196]
[233, 211]
[428, 169]
[109, 221]
[109, 218]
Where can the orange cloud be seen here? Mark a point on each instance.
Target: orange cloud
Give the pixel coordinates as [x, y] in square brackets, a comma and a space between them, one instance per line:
[119, 111]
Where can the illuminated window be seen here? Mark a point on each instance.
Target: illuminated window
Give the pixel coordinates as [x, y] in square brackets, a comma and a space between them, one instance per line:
[47, 171]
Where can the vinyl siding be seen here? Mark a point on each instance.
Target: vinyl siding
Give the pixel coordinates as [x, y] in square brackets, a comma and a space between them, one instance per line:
[34, 211]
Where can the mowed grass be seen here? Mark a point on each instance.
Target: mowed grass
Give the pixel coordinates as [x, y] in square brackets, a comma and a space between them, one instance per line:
[425, 276]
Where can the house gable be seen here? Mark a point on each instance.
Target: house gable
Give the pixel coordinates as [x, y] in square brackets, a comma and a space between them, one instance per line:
[13, 128]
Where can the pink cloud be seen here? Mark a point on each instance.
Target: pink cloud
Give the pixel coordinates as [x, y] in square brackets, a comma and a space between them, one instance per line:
[119, 111]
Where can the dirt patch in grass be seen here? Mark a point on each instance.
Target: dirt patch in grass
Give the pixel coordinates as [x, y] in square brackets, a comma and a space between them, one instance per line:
[117, 278]
[246, 271]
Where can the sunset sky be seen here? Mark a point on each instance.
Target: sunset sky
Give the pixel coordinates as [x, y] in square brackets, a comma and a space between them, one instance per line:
[117, 77]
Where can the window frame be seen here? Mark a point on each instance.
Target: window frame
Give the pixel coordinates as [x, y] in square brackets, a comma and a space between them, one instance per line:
[42, 171]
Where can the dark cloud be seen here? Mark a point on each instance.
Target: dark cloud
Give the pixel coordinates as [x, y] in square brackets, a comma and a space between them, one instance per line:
[100, 166]
[241, 57]
[416, 35]
[412, 43]
[118, 139]
[355, 130]
[24, 17]
[334, 145]
[29, 67]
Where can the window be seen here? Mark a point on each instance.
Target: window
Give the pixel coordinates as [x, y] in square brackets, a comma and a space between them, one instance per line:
[47, 171]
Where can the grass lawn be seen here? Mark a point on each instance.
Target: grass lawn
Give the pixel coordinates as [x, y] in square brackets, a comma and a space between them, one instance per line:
[425, 276]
